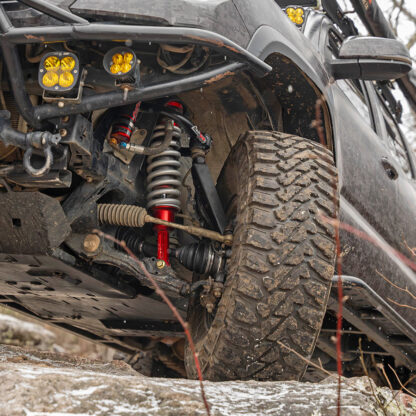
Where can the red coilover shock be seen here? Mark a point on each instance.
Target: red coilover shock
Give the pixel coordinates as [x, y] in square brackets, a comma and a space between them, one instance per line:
[124, 125]
[163, 181]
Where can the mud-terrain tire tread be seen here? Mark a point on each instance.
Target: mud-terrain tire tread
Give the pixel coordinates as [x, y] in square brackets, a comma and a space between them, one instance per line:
[280, 272]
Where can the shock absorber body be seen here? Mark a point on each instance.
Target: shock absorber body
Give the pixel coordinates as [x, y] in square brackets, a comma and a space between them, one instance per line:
[124, 124]
[163, 183]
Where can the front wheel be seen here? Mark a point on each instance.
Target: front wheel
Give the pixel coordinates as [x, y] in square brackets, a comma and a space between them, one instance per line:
[273, 187]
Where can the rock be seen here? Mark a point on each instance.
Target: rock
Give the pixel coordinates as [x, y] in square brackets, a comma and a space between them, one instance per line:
[19, 331]
[14, 331]
[40, 383]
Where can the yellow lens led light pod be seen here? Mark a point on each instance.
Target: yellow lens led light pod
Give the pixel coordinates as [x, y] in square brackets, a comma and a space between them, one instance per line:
[66, 79]
[115, 69]
[125, 68]
[50, 79]
[51, 63]
[58, 71]
[120, 62]
[117, 59]
[68, 63]
[296, 15]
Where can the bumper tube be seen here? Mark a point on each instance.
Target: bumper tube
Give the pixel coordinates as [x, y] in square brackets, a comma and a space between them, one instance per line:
[236, 59]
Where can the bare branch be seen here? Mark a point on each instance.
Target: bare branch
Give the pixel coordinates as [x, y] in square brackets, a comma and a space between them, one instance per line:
[401, 305]
[403, 386]
[175, 312]
[406, 290]
[412, 250]
[309, 362]
[398, 4]
[371, 382]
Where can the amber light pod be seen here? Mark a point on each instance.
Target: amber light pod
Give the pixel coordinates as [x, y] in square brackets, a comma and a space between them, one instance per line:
[296, 15]
[120, 62]
[58, 71]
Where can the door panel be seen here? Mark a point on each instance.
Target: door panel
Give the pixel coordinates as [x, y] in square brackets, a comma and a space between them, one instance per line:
[365, 184]
[404, 225]
[377, 203]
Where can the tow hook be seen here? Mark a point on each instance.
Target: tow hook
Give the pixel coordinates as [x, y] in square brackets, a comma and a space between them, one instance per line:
[40, 140]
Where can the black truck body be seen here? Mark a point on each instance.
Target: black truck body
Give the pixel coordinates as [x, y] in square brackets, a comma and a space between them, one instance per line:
[253, 43]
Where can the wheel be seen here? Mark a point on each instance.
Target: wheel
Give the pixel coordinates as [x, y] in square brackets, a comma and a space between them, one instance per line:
[273, 186]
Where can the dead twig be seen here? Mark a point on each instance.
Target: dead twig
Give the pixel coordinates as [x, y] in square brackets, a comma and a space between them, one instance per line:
[376, 366]
[368, 376]
[400, 391]
[328, 373]
[411, 250]
[401, 305]
[385, 246]
[309, 362]
[175, 312]
[405, 290]
[383, 370]
[403, 386]
[364, 236]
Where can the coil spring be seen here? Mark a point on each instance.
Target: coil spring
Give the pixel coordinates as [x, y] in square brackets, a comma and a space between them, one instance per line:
[163, 176]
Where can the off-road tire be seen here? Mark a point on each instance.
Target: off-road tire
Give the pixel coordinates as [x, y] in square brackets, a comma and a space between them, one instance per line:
[275, 186]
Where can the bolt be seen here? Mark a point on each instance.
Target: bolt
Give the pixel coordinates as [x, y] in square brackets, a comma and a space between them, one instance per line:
[89, 179]
[65, 119]
[113, 141]
[61, 104]
[79, 171]
[63, 132]
[217, 292]
[160, 264]
[91, 243]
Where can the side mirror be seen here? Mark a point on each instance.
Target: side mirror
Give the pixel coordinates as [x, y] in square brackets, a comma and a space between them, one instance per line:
[372, 59]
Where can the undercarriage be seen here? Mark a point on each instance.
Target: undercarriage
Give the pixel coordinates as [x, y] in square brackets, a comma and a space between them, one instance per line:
[139, 154]
[125, 162]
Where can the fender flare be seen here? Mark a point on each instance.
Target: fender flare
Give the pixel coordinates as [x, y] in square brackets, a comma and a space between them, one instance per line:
[299, 66]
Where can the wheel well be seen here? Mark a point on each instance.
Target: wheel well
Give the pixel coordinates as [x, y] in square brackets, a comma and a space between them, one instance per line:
[285, 100]
[228, 108]
[299, 99]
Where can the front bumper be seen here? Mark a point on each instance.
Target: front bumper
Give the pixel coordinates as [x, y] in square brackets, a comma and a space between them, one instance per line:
[236, 59]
